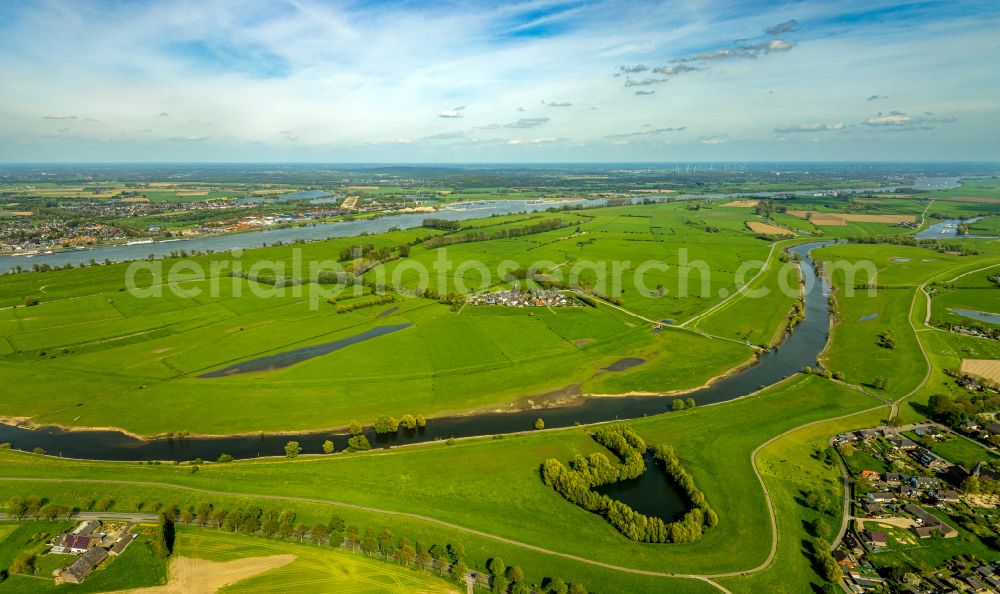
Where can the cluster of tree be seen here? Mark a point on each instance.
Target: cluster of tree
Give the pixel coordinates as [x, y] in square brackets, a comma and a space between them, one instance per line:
[367, 251]
[40, 509]
[995, 279]
[576, 485]
[825, 564]
[886, 340]
[683, 404]
[357, 442]
[336, 277]
[956, 411]
[441, 224]
[267, 279]
[380, 300]
[472, 236]
[766, 208]
[980, 484]
[907, 240]
[387, 424]
[796, 315]
[613, 300]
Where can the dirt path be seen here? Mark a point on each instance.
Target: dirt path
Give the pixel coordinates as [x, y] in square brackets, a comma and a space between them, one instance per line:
[897, 522]
[197, 576]
[738, 292]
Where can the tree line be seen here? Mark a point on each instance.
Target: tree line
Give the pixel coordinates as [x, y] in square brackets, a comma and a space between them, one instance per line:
[447, 560]
[576, 485]
[472, 236]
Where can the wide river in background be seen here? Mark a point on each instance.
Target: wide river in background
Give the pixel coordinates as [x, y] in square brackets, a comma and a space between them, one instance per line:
[799, 349]
[320, 231]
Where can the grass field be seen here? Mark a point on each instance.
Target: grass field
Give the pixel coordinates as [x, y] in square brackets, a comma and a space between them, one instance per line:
[131, 362]
[315, 568]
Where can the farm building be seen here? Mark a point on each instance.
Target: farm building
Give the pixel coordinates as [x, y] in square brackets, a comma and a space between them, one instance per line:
[81, 568]
[72, 543]
[86, 528]
[121, 544]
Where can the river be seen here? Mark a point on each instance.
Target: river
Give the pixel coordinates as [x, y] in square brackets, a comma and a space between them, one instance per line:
[320, 231]
[798, 350]
[948, 229]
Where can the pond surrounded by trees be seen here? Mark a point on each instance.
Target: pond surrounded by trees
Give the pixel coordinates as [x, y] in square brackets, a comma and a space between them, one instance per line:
[652, 494]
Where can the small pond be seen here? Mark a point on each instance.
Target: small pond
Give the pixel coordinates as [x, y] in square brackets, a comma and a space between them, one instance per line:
[623, 364]
[288, 358]
[982, 316]
[652, 494]
[304, 195]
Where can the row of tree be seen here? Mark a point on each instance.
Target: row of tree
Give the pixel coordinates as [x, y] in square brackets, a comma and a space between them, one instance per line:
[447, 560]
[471, 236]
[441, 224]
[576, 484]
[387, 424]
[379, 300]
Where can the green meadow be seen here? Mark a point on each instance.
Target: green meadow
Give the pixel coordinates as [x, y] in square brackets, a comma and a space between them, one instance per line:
[314, 569]
[133, 361]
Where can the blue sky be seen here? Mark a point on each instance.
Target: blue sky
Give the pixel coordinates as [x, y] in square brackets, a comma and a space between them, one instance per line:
[532, 81]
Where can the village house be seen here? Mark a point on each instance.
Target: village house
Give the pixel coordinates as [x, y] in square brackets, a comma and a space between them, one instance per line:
[877, 539]
[924, 483]
[929, 459]
[945, 496]
[874, 510]
[881, 497]
[901, 442]
[929, 523]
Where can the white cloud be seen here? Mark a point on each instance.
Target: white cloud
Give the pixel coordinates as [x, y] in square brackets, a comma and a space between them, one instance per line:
[526, 123]
[898, 119]
[455, 112]
[813, 127]
[714, 139]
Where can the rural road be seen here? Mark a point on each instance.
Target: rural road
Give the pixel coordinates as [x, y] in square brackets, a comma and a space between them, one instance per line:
[738, 292]
[112, 516]
[846, 513]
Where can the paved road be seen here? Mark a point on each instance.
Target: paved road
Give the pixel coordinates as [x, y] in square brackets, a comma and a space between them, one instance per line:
[111, 516]
[845, 477]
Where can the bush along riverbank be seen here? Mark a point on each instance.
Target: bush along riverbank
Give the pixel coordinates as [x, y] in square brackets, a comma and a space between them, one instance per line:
[576, 484]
